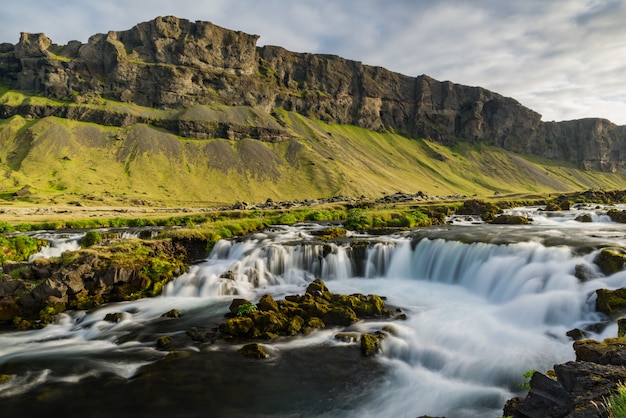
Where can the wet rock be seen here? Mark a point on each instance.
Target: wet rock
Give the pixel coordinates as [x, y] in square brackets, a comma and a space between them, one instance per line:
[174, 313]
[114, 317]
[610, 260]
[584, 218]
[611, 302]
[254, 350]
[370, 344]
[510, 220]
[487, 211]
[164, 341]
[577, 334]
[610, 351]
[584, 273]
[267, 303]
[235, 304]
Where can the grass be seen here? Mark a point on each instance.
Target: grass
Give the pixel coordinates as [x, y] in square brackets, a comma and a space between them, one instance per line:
[69, 161]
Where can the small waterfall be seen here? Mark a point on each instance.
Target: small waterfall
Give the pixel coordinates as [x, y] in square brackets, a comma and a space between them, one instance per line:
[241, 267]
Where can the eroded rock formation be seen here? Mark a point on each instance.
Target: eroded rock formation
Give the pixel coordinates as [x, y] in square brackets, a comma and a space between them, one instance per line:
[171, 63]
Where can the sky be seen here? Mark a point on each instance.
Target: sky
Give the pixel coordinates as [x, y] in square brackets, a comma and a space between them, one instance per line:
[565, 59]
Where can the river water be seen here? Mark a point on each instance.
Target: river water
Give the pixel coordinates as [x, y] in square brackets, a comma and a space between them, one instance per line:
[484, 304]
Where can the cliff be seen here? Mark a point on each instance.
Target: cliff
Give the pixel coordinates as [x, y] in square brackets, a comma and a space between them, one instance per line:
[170, 63]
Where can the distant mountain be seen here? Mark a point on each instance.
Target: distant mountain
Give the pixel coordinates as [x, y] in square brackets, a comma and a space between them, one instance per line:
[150, 87]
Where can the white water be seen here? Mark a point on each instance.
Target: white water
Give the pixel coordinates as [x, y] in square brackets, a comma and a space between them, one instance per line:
[480, 314]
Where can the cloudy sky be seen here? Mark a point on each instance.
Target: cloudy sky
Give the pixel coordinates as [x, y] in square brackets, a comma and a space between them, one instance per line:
[565, 59]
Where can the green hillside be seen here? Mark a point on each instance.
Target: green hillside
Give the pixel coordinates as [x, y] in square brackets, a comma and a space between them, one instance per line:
[60, 160]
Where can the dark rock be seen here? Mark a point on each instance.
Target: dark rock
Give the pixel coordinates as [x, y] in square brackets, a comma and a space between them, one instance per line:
[610, 351]
[267, 303]
[235, 304]
[163, 341]
[584, 218]
[546, 398]
[611, 302]
[610, 260]
[577, 334]
[114, 317]
[584, 273]
[510, 220]
[254, 350]
[370, 344]
[174, 313]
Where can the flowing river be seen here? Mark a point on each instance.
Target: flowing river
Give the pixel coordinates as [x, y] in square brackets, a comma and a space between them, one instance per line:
[484, 304]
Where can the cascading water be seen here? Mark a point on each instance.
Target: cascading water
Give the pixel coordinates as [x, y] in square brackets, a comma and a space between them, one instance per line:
[484, 304]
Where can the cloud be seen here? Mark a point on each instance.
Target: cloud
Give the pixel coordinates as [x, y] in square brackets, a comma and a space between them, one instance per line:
[563, 59]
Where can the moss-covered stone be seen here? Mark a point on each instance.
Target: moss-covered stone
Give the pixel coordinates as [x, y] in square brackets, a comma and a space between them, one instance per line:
[317, 308]
[610, 260]
[510, 220]
[267, 303]
[370, 344]
[236, 327]
[611, 302]
[254, 350]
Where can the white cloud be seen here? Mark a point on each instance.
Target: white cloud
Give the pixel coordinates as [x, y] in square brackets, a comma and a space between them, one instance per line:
[564, 59]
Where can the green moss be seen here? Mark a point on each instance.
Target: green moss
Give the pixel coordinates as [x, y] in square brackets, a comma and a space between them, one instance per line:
[18, 247]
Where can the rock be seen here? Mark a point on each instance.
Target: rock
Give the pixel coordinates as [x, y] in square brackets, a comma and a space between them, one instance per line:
[546, 398]
[510, 220]
[237, 327]
[611, 302]
[370, 344]
[610, 351]
[610, 260]
[621, 327]
[254, 350]
[584, 218]
[114, 317]
[235, 304]
[174, 63]
[485, 210]
[267, 303]
[577, 334]
[163, 341]
[584, 273]
[174, 313]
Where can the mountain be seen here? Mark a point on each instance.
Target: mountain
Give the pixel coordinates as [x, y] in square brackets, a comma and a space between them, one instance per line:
[191, 111]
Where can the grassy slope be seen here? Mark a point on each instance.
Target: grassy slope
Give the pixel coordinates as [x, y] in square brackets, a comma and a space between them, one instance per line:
[62, 160]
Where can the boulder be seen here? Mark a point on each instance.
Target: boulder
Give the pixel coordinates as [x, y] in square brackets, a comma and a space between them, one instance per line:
[254, 350]
[370, 345]
[611, 302]
[610, 260]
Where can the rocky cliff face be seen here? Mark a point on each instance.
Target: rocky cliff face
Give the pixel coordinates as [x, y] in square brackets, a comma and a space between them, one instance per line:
[172, 63]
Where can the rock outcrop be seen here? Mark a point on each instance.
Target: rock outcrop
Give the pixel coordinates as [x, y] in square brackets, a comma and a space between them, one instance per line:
[171, 63]
[580, 388]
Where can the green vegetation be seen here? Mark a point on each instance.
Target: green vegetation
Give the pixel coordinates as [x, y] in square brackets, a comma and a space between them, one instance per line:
[615, 405]
[245, 309]
[18, 247]
[63, 160]
[91, 238]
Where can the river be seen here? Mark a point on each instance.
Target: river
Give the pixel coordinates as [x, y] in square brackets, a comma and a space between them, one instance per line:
[484, 304]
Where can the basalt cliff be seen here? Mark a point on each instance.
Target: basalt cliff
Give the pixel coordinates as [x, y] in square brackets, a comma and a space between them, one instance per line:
[173, 65]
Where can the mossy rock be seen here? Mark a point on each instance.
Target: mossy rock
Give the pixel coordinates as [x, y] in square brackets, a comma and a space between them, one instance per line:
[236, 303]
[340, 315]
[611, 302]
[267, 303]
[610, 260]
[318, 288]
[237, 327]
[330, 233]
[617, 215]
[370, 344]
[510, 220]
[174, 313]
[164, 341]
[254, 350]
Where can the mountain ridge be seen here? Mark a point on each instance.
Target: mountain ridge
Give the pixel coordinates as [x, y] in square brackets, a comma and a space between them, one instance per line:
[196, 80]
